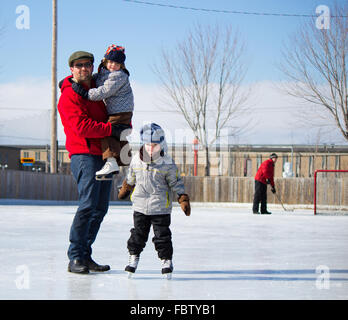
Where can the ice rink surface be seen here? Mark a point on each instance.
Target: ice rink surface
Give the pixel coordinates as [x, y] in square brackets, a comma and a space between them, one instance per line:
[220, 253]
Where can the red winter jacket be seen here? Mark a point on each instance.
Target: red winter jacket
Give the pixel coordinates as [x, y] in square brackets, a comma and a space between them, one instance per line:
[266, 171]
[84, 121]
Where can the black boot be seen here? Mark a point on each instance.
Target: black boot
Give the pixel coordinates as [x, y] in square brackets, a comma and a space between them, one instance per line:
[77, 266]
[95, 267]
[266, 212]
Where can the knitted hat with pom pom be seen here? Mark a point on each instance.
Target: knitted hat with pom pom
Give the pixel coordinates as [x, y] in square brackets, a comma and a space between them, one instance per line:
[115, 53]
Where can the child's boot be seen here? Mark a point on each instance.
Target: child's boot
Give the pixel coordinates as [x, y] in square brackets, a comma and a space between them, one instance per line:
[167, 268]
[132, 264]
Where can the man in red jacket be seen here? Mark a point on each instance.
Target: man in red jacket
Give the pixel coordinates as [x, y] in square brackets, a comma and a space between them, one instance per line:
[264, 176]
[85, 123]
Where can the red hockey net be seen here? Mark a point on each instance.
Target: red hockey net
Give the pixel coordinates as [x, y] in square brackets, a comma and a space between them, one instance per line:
[331, 192]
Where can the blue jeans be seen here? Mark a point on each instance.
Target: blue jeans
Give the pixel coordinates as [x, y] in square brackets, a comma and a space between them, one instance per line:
[94, 199]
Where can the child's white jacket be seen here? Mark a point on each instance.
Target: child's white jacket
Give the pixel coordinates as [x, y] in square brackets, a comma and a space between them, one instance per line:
[154, 184]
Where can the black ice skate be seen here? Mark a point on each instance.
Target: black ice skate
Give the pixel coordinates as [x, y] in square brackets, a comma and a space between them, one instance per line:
[167, 268]
[132, 265]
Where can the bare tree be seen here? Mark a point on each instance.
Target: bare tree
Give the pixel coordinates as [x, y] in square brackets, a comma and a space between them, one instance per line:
[202, 79]
[315, 64]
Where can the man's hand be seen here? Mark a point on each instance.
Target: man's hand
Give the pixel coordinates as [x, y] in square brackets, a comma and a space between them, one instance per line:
[184, 201]
[118, 128]
[80, 90]
[273, 190]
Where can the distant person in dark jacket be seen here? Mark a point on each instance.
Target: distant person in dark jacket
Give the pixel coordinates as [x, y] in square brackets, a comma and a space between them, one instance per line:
[264, 176]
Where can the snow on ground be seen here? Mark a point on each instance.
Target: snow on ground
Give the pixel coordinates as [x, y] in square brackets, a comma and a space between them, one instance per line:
[220, 253]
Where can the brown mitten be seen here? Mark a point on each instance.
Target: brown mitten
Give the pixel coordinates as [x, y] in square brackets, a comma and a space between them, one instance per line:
[184, 201]
[125, 190]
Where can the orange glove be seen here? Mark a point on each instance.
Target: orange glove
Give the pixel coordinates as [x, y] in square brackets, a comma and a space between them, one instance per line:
[125, 190]
[184, 201]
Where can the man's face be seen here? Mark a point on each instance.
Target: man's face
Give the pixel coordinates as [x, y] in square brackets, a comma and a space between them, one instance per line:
[82, 70]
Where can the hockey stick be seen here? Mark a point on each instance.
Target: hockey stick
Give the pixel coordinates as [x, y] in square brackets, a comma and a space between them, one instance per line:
[282, 203]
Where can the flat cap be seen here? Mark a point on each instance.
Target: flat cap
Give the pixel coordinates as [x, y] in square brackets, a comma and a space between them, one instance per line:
[80, 55]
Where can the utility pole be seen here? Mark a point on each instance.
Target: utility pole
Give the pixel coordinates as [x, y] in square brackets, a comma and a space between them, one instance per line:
[53, 158]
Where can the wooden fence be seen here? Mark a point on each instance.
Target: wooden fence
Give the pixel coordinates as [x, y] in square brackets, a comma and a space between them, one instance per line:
[241, 190]
[41, 186]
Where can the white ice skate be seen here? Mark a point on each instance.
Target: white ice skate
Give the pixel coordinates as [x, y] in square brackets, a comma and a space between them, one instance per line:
[110, 168]
[167, 268]
[132, 264]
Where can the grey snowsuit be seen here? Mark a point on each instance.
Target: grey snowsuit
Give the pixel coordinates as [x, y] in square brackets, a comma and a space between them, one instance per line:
[152, 202]
[154, 183]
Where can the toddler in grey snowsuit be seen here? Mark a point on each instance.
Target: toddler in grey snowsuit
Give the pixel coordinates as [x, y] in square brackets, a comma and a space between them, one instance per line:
[151, 180]
[114, 88]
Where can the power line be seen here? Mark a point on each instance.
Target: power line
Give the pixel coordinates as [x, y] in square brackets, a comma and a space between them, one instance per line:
[229, 11]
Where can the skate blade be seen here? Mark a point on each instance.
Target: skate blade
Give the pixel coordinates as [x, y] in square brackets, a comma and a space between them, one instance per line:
[103, 179]
[130, 275]
[108, 177]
